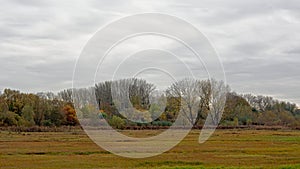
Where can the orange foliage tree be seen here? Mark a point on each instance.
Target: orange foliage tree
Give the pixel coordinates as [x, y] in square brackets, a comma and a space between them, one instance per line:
[70, 115]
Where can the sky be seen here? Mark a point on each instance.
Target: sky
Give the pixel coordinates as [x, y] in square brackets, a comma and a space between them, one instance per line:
[257, 41]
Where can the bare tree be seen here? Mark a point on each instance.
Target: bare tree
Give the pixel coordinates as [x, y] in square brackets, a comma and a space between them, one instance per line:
[66, 95]
[187, 92]
[140, 90]
[264, 102]
[117, 96]
[205, 87]
[103, 94]
[219, 92]
[200, 99]
[46, 95]
[260, 103]
[83, 96]
[251, 99]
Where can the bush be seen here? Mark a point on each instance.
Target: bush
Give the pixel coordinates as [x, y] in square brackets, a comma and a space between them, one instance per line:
[162, 123]
[8, 118]
[102, 115]
[235, 121]
[47, 123]
[117, 122]
[166, 123]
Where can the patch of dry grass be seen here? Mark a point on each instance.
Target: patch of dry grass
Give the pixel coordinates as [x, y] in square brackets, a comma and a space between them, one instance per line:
[226, 148]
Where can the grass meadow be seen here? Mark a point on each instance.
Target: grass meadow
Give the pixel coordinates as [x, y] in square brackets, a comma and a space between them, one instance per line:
[225, 149]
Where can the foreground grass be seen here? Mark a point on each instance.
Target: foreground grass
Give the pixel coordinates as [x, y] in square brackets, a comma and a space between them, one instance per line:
[225, 149]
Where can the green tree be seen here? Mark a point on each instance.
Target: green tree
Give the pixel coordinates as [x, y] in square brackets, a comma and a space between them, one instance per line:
[8, 118]
[28, 114]
[237, 107]
[268, 118]
[286, 118]
[56, 115]
[3, 105]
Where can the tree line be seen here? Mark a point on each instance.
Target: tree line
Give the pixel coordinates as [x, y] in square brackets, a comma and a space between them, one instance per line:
[194, 99]
[41, 109]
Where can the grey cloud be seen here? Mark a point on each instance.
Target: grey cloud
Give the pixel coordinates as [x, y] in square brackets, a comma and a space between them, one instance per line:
[258, 41]
[293, 51]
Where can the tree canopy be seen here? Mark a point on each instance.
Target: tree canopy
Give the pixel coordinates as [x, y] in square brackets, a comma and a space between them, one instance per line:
[197, 99]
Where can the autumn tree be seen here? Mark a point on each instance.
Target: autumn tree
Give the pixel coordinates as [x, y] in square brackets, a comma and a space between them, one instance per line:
[70, 115]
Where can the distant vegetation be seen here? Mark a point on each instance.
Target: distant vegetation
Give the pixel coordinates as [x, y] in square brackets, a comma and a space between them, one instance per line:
[42, 109]
[49, 109]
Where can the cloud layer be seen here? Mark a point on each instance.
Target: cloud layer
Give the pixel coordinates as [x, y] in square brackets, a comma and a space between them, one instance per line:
[258, 41]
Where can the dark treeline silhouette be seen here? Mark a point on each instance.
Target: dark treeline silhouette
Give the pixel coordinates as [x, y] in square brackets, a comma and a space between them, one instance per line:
[195, 98]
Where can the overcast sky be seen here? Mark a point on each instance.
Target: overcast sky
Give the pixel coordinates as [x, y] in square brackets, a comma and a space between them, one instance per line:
[257, 40]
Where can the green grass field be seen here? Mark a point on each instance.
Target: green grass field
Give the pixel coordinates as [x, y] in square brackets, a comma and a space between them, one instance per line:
[225, 149]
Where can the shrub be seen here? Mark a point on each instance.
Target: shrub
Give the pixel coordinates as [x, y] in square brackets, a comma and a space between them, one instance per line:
[161, 123]
[117, 122]
[8, 118]
[47, 123]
